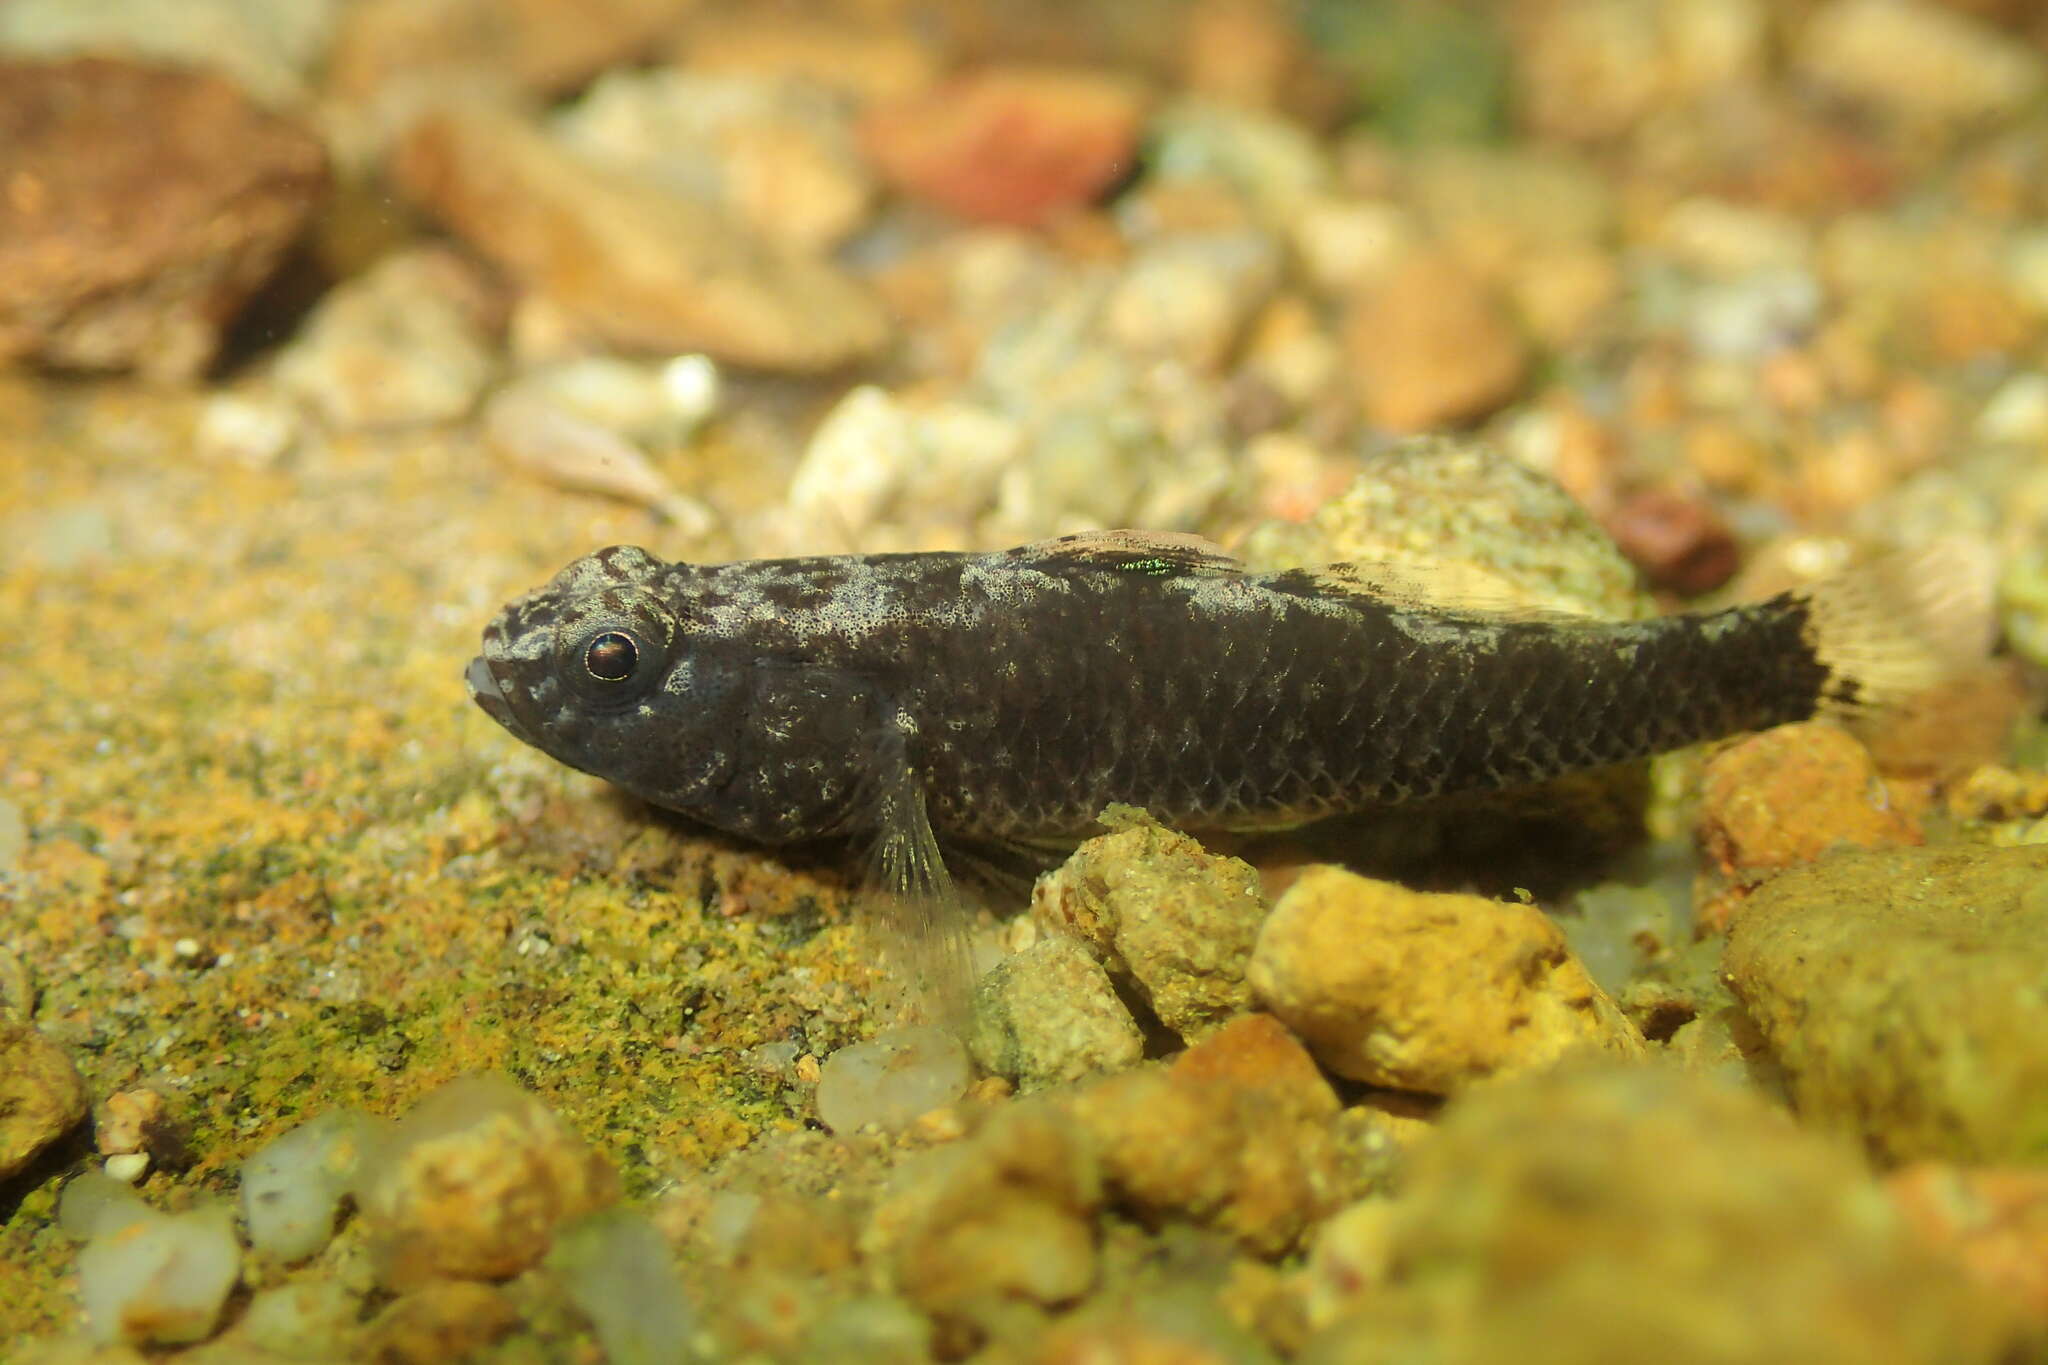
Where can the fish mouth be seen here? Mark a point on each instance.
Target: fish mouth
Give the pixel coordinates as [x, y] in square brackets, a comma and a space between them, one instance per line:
[490, 697]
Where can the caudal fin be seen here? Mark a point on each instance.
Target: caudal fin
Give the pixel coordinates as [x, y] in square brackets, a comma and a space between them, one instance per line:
[1893, 628]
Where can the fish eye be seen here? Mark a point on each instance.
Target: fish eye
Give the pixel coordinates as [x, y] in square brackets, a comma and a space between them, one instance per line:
[611, 657]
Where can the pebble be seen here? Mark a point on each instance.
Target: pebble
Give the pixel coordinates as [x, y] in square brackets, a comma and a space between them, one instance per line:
[1269, 161]
[861, 62]
[406, 343]
[145, 206]
[1751, 316]
[128, 1167]
[779, 158]
[267, 48]
[1503, 212]
[1189, 297]
[1349, 243]
[877, 456]
[473, 1183]
[1594, 71]
[617, 1270]
[892, 1080]
[1171, 917]
[1240, 1133]
[1993, 1222]
[1901, 991]
[1788, 795]
[2017, 411]
[640, 266]
[1430, 346]
[1918, 61]
[593, 424]
[256, 428]
[1597, 1209]
[303, 1320]
[1728, 240]
[1427, 992]
[42, 1096]
[412, 54]
[442, 1320]
[144, 1277]
[1008, 1214]
[292, 1187]
[1678, 540]
[1049, 1015]
[1012, 144]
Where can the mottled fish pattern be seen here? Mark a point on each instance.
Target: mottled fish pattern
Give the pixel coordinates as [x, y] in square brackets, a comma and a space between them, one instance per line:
[916, 698]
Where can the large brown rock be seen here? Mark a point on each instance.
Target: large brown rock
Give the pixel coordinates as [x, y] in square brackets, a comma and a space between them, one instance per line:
[1906, 994]
[41, 1095]
[142, 206]
[637, 265]
[1636, 1214]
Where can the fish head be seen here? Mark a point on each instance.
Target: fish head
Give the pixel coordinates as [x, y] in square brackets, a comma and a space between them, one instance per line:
[597, 671]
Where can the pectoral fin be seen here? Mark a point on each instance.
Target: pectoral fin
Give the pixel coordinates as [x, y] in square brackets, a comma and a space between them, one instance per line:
[907, 874]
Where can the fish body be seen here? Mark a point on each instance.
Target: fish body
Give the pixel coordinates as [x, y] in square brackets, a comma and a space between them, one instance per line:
[1012, 695]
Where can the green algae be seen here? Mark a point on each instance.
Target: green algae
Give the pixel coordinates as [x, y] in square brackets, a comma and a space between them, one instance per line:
[277, 864]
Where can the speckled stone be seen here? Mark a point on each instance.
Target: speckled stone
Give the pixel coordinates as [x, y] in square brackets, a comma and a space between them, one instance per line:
[473, 1184]
[1482, 524]
[1048, 1015]
[1174, 918]
[1579, 1215]
[1902, 991]
[1790, 794]
[42, 1095]
[1008, 1214]
[1428, 992]
[1239, 1133]
[146, 204]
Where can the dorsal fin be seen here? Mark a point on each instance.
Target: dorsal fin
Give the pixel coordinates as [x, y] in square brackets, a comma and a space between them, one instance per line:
[1157, 554]
[1455, 589]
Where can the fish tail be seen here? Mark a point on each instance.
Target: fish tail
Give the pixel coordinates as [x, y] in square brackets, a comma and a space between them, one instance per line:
[1891, 629]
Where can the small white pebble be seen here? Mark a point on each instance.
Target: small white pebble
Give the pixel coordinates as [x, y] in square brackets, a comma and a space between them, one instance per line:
[128, 1167]
[250, 431]
[692, 385]
[292, 1188]
[159, 1280]
[892, 1080]
[185, 947]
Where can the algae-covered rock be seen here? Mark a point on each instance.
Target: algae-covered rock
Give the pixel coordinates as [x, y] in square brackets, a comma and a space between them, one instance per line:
[1005, 1216]
[1428, 992]
[473, 1183]
[1471, 519]
[1622, 1214]
[1049, 1014]
[1906, 993]
[41, 1095]
[1240, 1133]
[1463, 523]
[1178, 920]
